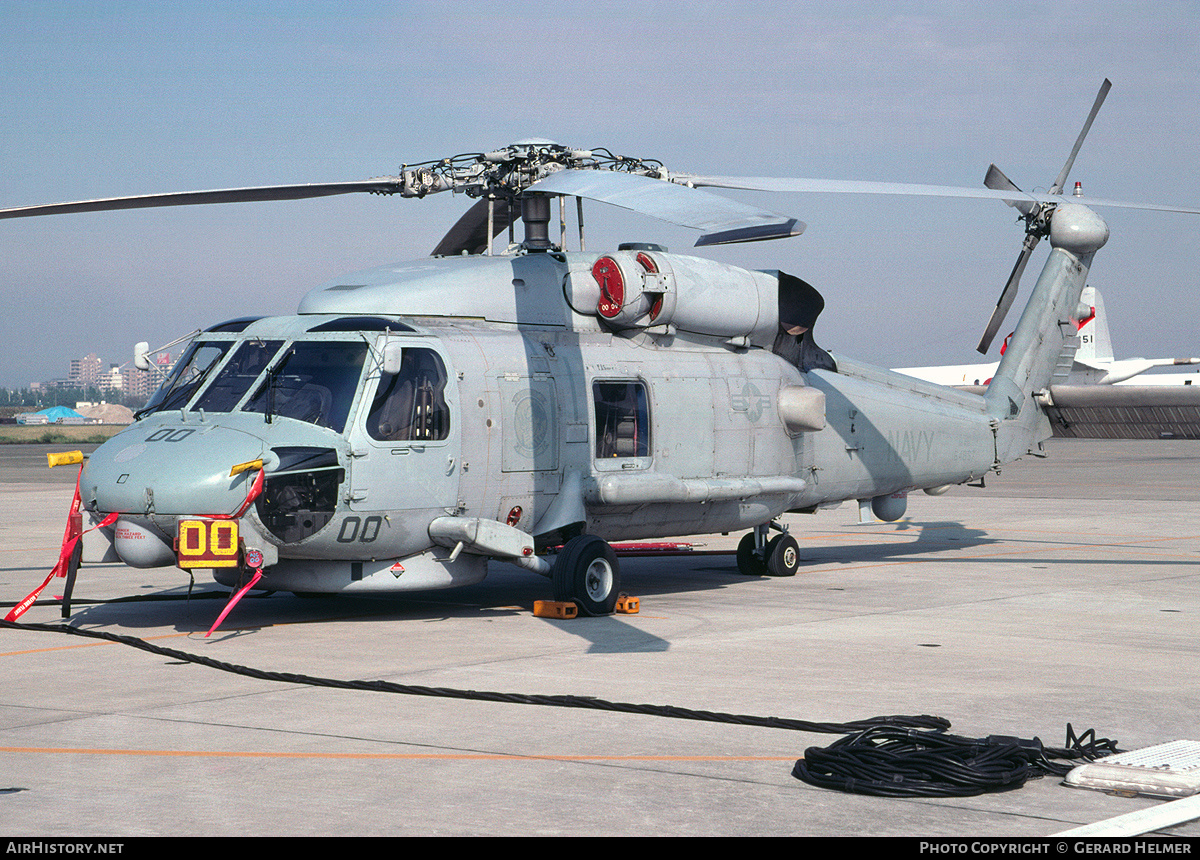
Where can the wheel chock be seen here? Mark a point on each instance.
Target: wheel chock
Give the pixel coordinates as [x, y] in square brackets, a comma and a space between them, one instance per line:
[627, 605]
[555, 608]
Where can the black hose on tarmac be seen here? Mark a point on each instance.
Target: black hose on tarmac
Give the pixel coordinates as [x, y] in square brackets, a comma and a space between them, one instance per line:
[893, 761]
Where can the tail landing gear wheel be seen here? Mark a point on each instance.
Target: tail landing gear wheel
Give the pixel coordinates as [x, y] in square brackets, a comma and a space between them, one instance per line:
[586, 571]
[783, 556]
[748, 562]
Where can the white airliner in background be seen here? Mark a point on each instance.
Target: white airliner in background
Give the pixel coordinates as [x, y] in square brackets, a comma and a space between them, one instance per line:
[1094, 361]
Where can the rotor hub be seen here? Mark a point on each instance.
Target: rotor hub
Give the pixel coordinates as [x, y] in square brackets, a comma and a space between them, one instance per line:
[505, 173]
[1077, 229]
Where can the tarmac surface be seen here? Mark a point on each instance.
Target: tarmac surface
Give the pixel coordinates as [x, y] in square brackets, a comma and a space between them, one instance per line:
[1067, 590]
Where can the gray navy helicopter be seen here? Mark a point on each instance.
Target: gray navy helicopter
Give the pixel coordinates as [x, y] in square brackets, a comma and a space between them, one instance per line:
[410, 423]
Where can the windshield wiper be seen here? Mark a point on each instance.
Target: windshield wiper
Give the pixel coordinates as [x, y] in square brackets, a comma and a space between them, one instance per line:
[269, 383]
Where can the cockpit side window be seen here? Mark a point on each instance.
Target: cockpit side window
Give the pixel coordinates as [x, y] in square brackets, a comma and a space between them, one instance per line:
[622, 420]
[238, 374]
[410, 405]
[314, 381]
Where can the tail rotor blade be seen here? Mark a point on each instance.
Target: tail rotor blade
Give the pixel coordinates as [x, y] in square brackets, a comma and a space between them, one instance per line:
[1008, 295]
[1057, 187]
[997, 181]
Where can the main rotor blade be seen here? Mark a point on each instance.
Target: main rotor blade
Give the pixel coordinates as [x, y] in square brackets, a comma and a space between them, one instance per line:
[801, 185]
[1057, 187]
[470, 232]
[722, 219]
[379, 185]
[1008, 294]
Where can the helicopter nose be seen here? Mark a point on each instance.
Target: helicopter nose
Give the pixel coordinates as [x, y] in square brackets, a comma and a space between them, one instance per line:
[173, 469]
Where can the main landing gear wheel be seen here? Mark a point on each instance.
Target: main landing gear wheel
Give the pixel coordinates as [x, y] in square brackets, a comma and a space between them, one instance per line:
[586, 571]
[779, 557]
[783, 555]
[748, 561]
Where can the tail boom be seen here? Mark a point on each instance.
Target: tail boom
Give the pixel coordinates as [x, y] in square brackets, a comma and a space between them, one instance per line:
[1046, 333]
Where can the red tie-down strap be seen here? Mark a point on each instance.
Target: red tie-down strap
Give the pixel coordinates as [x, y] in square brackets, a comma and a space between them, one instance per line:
[254, 492]
[71, 537]
[233, 601]
[74, 533]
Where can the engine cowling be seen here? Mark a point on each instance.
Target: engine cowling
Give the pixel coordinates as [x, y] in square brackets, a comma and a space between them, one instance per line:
[633, 293]
[640, 289]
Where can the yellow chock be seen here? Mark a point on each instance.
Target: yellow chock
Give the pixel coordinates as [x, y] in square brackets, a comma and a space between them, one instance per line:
[555, 609]
[627, 605]
[66, 458]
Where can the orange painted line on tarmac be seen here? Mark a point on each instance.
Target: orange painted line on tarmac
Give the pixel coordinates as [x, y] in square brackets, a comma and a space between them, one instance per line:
[88, 645]
[385, 756]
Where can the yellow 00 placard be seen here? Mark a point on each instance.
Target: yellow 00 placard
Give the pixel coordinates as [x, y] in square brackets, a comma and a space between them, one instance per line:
[207, 543]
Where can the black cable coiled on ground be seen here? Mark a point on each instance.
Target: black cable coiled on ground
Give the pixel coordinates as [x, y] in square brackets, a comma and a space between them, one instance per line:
[892, 761]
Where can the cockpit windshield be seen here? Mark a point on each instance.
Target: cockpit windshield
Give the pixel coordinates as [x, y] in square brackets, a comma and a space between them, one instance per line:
[314, 381]
[186, 378]
[238, 374]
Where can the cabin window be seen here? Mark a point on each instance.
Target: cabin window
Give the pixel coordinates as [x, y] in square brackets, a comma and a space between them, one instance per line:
[410, 406]
[622, 420]
[314, 381]
[238, 374]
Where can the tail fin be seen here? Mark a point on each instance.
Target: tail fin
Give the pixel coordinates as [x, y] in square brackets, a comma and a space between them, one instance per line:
[1045, 337]
[1095, 343]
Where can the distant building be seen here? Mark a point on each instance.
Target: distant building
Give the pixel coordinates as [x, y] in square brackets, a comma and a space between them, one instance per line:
[112, 380]
[138, 383]
[86, 371]
[120, 381]
[53, 415]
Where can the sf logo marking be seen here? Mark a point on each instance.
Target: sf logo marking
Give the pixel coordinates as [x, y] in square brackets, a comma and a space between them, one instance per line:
[751, 401]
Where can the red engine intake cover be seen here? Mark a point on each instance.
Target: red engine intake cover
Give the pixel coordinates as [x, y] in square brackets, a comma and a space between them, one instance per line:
[612, 287]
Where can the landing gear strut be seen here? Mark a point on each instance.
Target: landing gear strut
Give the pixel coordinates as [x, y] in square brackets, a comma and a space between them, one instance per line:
[758, 556]
[586, 571]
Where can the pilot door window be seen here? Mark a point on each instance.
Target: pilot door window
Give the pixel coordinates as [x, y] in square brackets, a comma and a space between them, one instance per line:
[622, 420]
[410, 406]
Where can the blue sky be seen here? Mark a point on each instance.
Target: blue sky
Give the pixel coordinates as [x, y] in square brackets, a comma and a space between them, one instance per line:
[106, 99]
